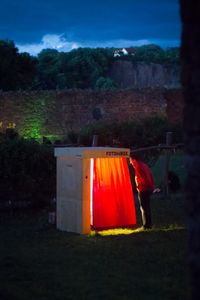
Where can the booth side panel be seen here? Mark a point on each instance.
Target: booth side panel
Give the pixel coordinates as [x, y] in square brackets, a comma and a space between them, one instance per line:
[69, 194]
[58, 194]
[86, 222]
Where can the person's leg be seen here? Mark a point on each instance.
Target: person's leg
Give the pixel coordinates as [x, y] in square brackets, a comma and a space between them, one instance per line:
[141, 202]
[148, 210]
[144, 200]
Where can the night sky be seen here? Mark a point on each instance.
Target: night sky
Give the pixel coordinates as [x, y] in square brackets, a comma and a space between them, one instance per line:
[64, 25]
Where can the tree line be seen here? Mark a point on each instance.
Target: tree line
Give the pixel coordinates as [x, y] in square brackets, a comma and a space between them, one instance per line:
[81, 68]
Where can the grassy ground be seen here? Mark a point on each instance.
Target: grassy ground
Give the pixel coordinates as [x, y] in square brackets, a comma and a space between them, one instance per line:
[37, 262]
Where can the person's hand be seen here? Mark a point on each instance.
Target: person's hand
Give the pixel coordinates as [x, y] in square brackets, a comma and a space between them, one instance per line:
[156, 190]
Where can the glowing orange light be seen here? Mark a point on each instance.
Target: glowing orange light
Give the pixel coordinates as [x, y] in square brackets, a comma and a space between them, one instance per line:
[91, 189]
[112, 201]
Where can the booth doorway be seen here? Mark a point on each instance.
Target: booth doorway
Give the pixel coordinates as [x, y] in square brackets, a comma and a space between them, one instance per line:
[111, 196]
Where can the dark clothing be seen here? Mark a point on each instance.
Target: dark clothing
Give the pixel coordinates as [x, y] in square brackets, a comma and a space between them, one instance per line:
[145, 208]
[173, 182]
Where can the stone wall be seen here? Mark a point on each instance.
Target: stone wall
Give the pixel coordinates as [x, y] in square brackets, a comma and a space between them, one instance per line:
[49, 113]
[129, 74]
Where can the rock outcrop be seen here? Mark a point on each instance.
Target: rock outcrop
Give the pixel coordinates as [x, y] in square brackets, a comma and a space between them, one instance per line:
[129, 74]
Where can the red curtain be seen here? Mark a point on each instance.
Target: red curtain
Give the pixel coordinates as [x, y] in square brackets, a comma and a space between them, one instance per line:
[113, 200]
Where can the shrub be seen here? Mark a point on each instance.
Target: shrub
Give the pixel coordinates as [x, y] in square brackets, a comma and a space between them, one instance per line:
[27, 171]
[132, 134]
[105, 83]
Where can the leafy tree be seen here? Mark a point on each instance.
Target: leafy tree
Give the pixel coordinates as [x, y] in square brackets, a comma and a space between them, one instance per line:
[17, 70]
[172, 56]
[149, 53]
[105, 83]
[153, 54]
[82, 67]
[8, 65]
[47, 69]
[26, 65]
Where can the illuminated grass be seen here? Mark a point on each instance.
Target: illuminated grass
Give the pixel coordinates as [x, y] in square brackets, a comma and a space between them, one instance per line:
[117, 231]
[128, 231]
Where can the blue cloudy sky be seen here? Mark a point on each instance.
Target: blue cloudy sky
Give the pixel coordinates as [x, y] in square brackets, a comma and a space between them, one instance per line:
[67, 24]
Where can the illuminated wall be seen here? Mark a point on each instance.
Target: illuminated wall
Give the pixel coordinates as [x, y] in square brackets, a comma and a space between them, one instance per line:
[54, 113]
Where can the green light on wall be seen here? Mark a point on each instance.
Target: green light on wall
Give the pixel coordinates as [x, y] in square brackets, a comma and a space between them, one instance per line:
[34, 124]
[32, 133]
[35, 133]
[32, 130]
[34, 120]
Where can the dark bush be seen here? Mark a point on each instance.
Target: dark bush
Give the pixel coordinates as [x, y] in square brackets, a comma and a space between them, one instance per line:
[27, 171]
[173, 182]
[132, 134]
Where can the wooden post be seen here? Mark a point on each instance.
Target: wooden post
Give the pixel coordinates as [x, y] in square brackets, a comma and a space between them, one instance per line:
[94, 140]
[167, 162]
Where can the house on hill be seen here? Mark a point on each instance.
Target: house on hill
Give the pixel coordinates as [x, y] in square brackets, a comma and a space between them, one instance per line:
[124, 51]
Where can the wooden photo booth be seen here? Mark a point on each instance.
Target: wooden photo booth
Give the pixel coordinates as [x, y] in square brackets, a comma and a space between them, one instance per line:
[93, 189]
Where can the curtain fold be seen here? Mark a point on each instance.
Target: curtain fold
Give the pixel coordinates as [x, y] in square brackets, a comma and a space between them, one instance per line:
[113, 200]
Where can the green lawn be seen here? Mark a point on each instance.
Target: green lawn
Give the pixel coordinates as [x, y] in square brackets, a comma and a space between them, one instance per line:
[38, 262]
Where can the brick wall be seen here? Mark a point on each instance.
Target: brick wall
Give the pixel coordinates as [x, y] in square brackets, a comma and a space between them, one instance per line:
[55, 113]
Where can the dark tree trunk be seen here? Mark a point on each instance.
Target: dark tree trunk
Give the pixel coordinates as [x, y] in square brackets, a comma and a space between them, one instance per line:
[190, 53]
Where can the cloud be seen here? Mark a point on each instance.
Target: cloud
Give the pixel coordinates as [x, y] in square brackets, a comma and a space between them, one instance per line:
[51, 41]
[60, 43]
